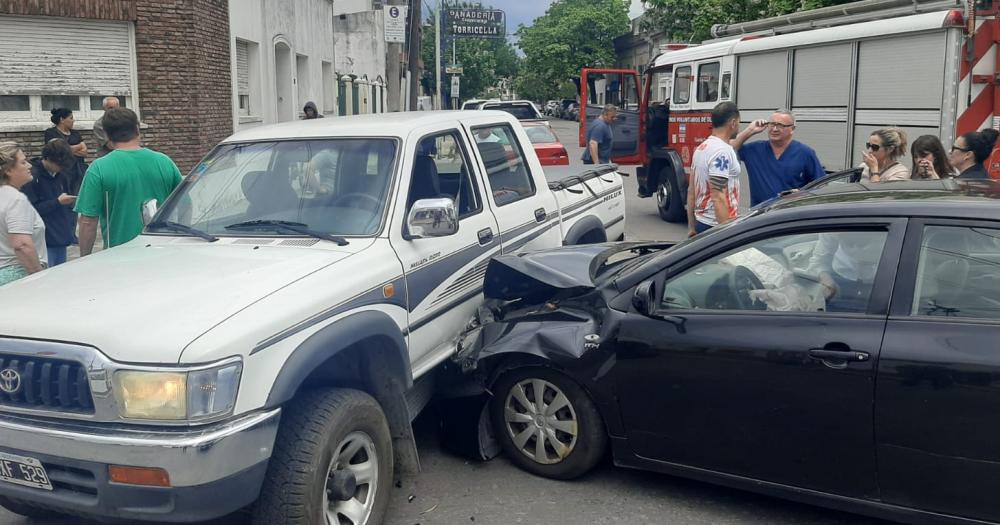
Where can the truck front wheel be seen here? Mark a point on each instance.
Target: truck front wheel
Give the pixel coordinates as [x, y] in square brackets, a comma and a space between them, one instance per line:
[669, 201]
[332, 462]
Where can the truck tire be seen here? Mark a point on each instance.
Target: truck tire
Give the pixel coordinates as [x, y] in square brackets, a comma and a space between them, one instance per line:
[332, 462]
[520, 424]
[669, 201]
[28, 510]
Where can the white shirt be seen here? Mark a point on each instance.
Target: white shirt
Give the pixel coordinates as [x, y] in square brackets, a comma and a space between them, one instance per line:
[715, 158]
[17, 215]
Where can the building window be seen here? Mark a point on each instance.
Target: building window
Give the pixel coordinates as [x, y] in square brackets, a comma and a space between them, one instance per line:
[97, 102]
[243, 77]
[70, 102]
[15, 103]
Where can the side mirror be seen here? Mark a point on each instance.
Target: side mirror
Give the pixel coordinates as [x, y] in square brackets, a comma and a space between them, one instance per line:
[148, 211]
[432, 218]
[644, 298]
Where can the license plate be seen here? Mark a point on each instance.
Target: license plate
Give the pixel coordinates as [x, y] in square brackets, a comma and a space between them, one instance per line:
[23, 471]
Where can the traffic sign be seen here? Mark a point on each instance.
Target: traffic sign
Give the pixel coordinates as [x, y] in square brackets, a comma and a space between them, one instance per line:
[455, 83]
[395, 24]
[454, 70]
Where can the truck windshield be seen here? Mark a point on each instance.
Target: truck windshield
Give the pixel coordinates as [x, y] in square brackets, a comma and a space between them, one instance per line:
[338, 187]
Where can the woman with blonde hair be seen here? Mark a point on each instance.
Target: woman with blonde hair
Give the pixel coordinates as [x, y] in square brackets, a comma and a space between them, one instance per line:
[881, 157]
[22, 231]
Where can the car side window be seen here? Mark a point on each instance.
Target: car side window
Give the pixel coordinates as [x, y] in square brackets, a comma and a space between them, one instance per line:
[506, 167]
[441, 170]
[682, 85]
[830, 271]
[957, 273]
[708, 82]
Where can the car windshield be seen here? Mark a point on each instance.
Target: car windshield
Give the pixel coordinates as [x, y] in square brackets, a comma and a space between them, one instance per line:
[520, 111]
[540, 135]
[337, 187]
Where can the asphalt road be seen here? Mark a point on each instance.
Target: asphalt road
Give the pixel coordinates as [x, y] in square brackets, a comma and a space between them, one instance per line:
[450, 490]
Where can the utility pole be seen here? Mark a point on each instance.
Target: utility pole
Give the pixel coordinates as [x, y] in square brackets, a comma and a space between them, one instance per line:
[416, 42]
[438, 103]
[393, 69]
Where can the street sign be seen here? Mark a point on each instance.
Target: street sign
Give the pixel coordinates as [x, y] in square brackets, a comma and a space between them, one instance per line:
[454, 70]
[477, 23]
[455, 82]
[395, 24]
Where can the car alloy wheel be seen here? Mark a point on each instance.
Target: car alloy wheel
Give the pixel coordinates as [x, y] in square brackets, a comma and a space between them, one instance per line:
[541, 421]
[663, 195]
[351, 481]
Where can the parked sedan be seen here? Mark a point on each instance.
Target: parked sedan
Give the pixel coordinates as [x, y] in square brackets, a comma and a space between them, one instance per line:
[550, 151]
[836, 348]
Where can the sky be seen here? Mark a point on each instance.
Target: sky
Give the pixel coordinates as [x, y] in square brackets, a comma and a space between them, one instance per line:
[525, 11]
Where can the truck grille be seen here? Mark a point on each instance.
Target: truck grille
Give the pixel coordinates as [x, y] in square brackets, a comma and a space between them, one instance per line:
[44, 384]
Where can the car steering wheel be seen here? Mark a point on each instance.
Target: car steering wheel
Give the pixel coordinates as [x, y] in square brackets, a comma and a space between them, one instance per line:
[373, 203]
[741, 281]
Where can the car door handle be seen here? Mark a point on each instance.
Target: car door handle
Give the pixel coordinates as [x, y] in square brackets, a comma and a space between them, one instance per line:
[838, 355]
[485, 236]
[540, 215]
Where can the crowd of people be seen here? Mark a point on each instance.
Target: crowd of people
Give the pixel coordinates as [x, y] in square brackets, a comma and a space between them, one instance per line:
[782, 164]
[41, 198]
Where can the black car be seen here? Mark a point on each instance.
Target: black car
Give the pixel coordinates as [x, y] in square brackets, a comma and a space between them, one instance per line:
[838, 348]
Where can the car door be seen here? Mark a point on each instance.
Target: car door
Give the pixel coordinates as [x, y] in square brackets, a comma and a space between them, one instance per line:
[937, 425]
[444, 275]
[600, 87]
[749, 369]
[524, 207]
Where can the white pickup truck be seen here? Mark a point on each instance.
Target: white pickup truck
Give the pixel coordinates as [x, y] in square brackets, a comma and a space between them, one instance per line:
[273, 332]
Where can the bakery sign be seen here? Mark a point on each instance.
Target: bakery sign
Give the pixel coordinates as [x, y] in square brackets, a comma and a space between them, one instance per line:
[476, 23]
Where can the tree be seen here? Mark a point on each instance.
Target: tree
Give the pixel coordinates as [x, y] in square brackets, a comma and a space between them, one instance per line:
[692, 20]
[484, 61]
[571, 35]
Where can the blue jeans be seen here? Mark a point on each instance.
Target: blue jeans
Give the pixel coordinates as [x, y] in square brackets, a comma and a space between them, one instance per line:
[700, 227]
[57, 255]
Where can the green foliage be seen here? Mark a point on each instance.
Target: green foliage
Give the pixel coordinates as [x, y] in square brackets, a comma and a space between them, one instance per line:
[571, 35]
[484, 61]
[692, 20]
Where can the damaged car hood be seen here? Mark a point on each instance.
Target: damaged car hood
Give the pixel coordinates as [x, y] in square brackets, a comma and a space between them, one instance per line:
[551, 274]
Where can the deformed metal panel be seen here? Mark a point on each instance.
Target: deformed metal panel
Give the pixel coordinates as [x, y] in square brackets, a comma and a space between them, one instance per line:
[762, 81]
[40, 55]
[822, 76]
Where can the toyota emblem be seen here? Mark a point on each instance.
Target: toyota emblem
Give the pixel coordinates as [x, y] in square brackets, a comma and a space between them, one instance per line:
[10, 381]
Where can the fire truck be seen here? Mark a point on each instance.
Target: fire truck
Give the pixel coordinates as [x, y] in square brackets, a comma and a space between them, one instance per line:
[928, 67]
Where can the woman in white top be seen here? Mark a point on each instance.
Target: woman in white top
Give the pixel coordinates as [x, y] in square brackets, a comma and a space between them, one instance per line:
[881, 158]
[22, 232]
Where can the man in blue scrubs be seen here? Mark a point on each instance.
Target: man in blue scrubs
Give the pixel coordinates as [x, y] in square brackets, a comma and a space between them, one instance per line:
[779, 163]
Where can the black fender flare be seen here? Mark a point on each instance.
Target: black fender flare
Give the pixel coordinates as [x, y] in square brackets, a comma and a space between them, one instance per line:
[584, 226]
[335, 338]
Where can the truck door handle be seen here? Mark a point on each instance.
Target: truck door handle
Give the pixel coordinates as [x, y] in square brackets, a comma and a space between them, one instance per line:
[485, 236]
[540, 215]
[838, 355]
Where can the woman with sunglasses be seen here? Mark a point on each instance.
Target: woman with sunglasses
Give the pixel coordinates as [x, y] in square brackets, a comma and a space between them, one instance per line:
[881, 158]
[969, 152]
[929, 159]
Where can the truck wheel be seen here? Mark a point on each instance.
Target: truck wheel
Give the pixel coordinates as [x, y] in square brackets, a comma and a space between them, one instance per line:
[669, 201]
[332, 462]
[29, 511]
[547, 424]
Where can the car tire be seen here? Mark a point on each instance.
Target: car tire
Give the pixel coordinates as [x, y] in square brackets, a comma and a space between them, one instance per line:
[29, 511]
[669, 201]
[322, 432]
[562, 454]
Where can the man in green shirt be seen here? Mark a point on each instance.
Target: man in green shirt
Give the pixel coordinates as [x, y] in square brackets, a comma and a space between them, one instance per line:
[117, 184]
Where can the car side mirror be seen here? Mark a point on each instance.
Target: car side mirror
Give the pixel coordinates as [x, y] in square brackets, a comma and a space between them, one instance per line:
[432, 218]
[644, 298]
[148, 211]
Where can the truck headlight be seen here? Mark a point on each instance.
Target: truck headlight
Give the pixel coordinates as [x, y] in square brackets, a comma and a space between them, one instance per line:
[177, 396]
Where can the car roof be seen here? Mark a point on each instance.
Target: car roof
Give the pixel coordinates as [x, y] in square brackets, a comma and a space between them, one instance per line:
[394, 125]
[931, 198]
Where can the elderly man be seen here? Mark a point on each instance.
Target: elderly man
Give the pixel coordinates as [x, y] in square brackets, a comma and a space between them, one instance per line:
[779, 163]
[600, 137]
[101, 136]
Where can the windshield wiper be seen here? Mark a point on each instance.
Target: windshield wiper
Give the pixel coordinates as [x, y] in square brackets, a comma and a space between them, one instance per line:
[295, 227]
[178, 227]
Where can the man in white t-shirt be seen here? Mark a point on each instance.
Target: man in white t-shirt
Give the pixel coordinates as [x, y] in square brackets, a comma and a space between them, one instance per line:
[714, 193]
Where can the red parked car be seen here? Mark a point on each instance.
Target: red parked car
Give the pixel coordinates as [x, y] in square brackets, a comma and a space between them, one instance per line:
[550, 151]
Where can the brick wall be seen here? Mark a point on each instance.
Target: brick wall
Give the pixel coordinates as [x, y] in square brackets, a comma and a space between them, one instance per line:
[185, 93]
[31, 142]
[98, 9]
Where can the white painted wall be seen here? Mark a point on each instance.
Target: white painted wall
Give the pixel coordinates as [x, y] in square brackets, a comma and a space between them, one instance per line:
[306, 27]
[360, 44]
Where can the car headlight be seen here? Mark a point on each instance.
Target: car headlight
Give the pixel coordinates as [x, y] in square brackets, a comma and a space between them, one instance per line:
[177, 396]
